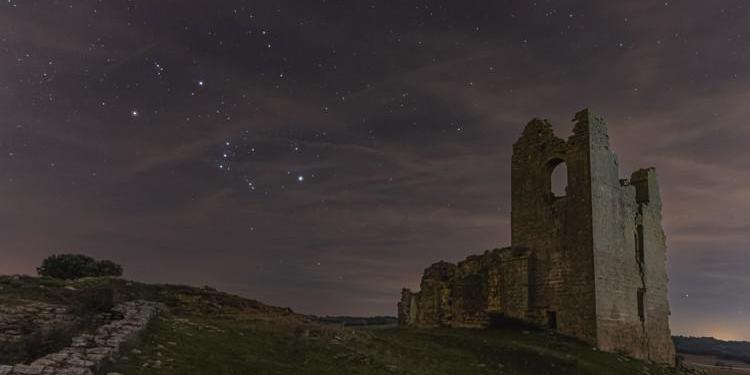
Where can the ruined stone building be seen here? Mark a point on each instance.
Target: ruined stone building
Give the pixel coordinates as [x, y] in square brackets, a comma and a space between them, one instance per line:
[588, 262]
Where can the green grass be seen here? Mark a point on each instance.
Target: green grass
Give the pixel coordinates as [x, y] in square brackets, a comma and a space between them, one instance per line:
[213, 333]
[228, 347]
[262, 347]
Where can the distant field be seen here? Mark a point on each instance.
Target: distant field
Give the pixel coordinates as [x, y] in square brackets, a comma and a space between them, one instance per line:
[709, 363]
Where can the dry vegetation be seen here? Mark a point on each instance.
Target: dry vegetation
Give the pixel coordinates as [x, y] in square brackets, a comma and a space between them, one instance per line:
[209, 332]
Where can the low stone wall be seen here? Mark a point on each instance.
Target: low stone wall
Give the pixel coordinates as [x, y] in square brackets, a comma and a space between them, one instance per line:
[15, 320]
[468, 294]
[88, 353]
[27, 327]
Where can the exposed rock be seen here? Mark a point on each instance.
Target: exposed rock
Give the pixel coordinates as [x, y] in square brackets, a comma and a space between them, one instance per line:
[25, 325]
[88, 353]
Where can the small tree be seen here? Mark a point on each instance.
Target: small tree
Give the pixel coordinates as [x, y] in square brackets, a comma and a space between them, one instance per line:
[108, 268]
[76, 266]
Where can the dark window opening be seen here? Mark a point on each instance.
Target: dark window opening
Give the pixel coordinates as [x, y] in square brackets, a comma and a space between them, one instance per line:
[558, 178]
[552, 319]
[641, 307]
[498, 320]
[639, 251]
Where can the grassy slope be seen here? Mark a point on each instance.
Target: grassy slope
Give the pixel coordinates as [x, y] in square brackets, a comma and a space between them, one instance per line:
[207, 332]
[243, 347]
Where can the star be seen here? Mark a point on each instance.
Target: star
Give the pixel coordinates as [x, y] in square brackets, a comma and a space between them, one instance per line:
[301, 178]
[134, 113]
[201, 83]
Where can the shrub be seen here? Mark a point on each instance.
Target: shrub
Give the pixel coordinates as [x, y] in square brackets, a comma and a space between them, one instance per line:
[67, 266]
[76, 266]
[108, 268]
[93, 301]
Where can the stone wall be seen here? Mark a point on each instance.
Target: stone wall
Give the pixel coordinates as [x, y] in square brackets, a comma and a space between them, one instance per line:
[29, 327]
[652, 279]
[510, 293]
[433, 309]
[556, 229]
[407, 307]
[89, 352]
[589, 263]
[467, 294]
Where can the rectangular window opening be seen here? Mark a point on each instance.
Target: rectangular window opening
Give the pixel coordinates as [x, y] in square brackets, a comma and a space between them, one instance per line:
[639, 250]
[641, 306]
[552, 319]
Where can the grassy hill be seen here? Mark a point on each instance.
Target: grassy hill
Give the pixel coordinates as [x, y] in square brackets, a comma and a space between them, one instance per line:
[209, 332]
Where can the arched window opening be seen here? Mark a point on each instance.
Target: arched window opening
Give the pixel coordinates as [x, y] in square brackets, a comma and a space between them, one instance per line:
[559, 179]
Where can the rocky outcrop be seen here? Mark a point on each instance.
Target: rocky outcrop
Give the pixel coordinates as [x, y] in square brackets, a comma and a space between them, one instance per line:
[90, 352]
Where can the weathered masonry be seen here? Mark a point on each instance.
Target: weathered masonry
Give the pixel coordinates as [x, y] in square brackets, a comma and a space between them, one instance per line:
[587, 261]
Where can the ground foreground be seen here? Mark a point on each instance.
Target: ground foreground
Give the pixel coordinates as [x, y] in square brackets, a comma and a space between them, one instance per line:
[207, 332]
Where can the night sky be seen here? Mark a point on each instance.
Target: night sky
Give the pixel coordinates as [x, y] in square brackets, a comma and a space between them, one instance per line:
[320, 154]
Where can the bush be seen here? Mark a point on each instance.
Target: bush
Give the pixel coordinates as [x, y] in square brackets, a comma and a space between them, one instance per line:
[108, 268]
[93, 301]
[76, 266]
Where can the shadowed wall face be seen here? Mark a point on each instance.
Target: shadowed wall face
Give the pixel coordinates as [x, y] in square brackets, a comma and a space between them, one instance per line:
[588, 278]
[557, 229]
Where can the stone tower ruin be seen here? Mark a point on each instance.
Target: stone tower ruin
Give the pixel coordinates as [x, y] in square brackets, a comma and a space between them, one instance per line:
[588, 262]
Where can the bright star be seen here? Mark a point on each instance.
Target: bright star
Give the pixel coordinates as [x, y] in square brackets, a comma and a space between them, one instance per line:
[301, 178]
